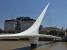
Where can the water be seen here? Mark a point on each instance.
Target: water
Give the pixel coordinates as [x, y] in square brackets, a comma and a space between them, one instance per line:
[54, 46]
[50, 46]
[25, 45]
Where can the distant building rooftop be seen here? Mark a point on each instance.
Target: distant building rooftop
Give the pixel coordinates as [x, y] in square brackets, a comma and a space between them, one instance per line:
[25, 19]
[19, 24]
[10, 20]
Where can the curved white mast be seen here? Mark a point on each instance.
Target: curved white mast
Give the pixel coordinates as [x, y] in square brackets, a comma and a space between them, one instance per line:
[33, 30]
[35, 27]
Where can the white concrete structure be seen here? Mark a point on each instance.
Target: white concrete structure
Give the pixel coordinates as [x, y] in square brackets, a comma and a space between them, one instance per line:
[32, 33]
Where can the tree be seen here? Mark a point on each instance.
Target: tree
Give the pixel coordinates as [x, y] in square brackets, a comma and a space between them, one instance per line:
[43, 32]
[52, 32]
[1, 31]
[61, 34]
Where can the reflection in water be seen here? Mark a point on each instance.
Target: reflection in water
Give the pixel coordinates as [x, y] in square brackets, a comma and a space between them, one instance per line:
[55, 46]
[39, 45]
[59, 46]
[65, 44]
[25, 48]
[52, 46]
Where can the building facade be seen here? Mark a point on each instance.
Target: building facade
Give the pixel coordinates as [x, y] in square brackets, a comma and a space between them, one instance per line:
[18, 25]
[24, 23]
[9, 25]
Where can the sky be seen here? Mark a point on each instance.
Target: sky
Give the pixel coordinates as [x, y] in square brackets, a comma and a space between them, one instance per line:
[56, 14]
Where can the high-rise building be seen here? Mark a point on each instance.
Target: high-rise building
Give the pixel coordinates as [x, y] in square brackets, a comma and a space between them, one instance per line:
[18, 25]
[9, 25]
[24, 23]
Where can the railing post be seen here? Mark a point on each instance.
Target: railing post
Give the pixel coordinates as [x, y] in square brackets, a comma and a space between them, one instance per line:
[54, 39]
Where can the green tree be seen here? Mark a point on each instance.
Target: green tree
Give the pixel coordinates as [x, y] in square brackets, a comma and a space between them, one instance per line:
[43, 32]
